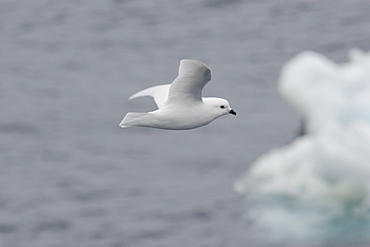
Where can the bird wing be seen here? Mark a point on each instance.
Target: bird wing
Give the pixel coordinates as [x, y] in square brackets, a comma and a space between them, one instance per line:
[188, 86]
[159, 93]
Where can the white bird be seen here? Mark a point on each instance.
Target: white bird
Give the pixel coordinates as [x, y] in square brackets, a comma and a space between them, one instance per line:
[181, 105]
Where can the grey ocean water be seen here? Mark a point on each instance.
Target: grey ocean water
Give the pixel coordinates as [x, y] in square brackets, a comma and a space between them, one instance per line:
[71, 177]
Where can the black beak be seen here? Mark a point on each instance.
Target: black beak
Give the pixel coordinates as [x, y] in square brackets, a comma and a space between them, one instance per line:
[232, 112]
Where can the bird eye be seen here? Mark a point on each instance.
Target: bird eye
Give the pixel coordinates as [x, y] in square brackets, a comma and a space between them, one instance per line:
[222, 107]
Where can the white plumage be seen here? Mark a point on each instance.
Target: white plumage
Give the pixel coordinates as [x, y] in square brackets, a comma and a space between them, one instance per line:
[180, 104]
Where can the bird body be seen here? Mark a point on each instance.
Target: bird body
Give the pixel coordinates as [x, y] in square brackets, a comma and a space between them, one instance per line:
[181, 105]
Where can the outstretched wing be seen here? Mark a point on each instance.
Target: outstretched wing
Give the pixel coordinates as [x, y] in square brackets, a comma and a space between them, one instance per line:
[159, 93]
[188, 86]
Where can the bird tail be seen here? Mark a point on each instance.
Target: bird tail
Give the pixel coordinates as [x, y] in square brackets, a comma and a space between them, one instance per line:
[132, 119]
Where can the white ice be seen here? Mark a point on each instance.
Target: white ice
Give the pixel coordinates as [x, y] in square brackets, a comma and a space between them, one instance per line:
[317, 188]
[181, 105]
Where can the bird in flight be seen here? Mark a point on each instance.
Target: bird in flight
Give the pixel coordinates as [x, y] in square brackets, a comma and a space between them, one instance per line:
[180, 104]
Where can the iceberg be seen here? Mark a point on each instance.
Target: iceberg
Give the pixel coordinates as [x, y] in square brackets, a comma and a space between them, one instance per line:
[317, 188]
